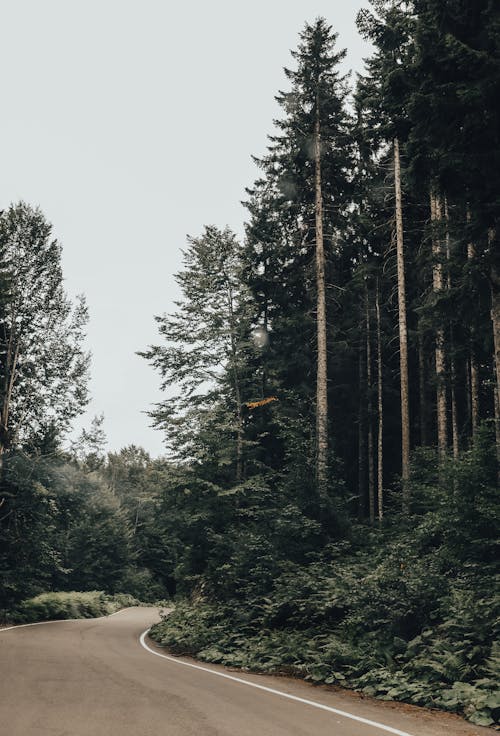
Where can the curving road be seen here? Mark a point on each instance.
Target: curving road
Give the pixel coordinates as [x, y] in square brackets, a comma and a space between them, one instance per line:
[95, 678]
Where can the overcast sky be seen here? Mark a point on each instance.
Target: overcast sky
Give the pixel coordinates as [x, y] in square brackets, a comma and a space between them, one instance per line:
[131, 123]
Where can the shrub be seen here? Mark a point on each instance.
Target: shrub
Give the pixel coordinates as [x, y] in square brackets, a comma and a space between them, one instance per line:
[69, 605]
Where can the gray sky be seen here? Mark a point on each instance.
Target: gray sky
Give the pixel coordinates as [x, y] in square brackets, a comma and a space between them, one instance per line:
[132, 123]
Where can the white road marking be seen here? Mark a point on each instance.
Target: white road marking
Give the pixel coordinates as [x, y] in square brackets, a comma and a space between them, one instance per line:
[39, 623]
[280, 693]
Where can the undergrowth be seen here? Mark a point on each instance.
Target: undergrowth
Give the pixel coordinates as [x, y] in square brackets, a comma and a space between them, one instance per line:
[391, 620]
[408, 611]
[68, 605]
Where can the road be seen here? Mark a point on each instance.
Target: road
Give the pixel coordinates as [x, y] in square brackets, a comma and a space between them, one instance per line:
[95, 678]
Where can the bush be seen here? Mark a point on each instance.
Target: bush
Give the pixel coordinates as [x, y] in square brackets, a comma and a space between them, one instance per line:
[407, 612]
[57, 606]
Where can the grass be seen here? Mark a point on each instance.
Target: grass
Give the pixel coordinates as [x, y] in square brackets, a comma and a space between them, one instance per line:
[68, 605]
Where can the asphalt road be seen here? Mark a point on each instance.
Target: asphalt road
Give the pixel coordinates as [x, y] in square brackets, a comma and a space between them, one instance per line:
[95, 678]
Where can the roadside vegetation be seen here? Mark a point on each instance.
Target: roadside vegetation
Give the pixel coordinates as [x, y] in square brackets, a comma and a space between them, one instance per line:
[409, 611]
[68, 605]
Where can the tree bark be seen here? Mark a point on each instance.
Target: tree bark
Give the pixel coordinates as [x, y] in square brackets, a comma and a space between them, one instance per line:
[437, 282]
[380, 407]
[453, 371]
[474, 391]
[10, 369]
[10, 377]
[322, 364]
[421, 388]
[237, 391]
[495, 320]
[454, 411]
[403, 333]
[473, 367]
[361, 426]
[371, 475]
[496, 399]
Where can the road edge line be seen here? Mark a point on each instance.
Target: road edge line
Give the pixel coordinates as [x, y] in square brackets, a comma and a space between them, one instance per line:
[39, 623]
[280, 693]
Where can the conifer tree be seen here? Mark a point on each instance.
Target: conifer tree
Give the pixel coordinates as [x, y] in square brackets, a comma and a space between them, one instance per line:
[437, 283]
[203, 345]
[369, 384]
[380, 410]
[383, 94]
[307, 169]
[44, 365]
[457, 74]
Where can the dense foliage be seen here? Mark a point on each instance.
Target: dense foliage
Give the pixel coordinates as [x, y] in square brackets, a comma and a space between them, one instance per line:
[63, 529]
[65, 522]
[406, 612]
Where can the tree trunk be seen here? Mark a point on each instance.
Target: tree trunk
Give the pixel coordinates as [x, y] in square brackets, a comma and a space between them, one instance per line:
[361, 427]
[237, 391]
[322, 368]
[468, 393]
[495, 320]
[474, 371]
[496, 399]
[454, 412]
[474, 391]
[403, 333]
[453, 371]
[380, 407]
[264, 372]
[421, 388]
[437, 281]
[10, 369]
[371, 476]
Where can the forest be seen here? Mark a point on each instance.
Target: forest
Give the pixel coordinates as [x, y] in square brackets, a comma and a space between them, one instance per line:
[327, 505]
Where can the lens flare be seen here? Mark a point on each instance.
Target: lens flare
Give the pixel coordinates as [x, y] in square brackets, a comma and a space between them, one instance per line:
[260, 337]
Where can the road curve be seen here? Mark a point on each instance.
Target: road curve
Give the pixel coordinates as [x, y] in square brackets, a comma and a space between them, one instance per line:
[94, 678]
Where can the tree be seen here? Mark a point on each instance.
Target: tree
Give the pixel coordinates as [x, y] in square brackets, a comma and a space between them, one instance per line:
[437, 283]
[457, 73]
[369, 385]
[380, 410]
[204, 344]
[318, 121]
[306, 169]
[403, 332]
[44, 365]
[385, 91]
[89, 449]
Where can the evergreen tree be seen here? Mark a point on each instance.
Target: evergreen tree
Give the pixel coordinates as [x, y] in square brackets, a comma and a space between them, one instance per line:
[44, 365]
[202, 354]
[89, 448]
[301, 204]
[383, 94]
[455, 136]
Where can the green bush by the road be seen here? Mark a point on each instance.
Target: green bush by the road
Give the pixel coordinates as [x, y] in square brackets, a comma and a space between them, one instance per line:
[67, 605]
